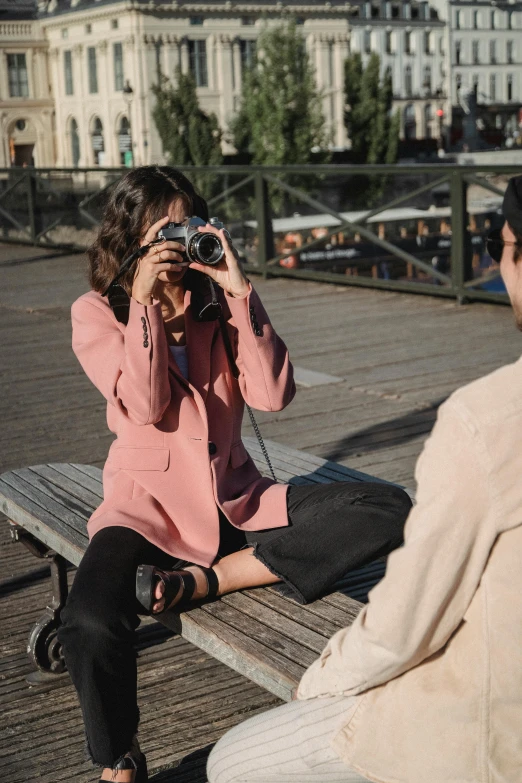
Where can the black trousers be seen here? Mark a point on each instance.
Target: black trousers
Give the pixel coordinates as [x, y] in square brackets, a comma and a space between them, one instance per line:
[332, 528]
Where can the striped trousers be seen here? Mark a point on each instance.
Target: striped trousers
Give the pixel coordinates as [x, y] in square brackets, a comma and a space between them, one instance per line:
[290, 744]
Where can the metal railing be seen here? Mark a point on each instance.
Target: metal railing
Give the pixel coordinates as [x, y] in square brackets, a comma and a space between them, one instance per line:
[276, 214]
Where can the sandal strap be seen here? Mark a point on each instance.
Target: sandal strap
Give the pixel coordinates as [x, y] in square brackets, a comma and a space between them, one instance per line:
[184, 579]
[212, 582]
[188, 581]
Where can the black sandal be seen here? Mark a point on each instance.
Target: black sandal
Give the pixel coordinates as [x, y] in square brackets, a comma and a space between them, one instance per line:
[148, 577]
[139, 764]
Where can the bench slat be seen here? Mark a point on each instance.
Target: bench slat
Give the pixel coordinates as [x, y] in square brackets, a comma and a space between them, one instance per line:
[36, 520]
[286, 626]
[241, 652]
[299, 461]
[318, 621]
[68, 485]
[255, 630]
[70, 511]
[85, 483]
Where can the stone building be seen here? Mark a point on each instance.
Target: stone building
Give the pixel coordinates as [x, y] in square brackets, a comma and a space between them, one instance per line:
[485, 40]
[26, 105]
[105, 56]
[100, 58]
[411, 41]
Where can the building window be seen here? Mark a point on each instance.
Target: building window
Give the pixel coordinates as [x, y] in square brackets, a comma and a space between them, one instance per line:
[92, 69]
[441, 45]
[65, 32]
[407, 42]
[475, 52]
[458, 19]
[509, 89]
[493, 52]
[17, 71]
[88, 29]
[475, 82]
[114, 24]
[510, 20]
[458, 52]
[475, 20]
[388, 42]
[68, 73]
[427, 42]
[410, 124]
[248, 20]
[117, 50]
[408, 86]
[426, 78]
[125, 142]
[428, 118]
[509, 52]
[492, 20]
[196, 20]
[248, 54]
[75, 143]
[198, 62]
[458, 83]
[98, 143]
[367, 41]
[493, 87]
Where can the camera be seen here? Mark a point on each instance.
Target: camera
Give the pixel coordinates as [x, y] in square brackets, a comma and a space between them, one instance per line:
[201, 247]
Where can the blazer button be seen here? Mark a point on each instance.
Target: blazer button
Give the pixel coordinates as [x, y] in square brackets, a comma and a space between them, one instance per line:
[143, 319]
[252, 309]
[145, 344]
[259, 333]
[212, 448]
[144, 326]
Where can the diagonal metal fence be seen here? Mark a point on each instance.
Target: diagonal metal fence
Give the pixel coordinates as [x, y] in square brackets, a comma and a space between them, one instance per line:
[412, 228]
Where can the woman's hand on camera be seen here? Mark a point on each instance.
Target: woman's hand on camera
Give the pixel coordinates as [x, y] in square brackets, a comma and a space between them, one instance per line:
[228, 273]
[156, 264]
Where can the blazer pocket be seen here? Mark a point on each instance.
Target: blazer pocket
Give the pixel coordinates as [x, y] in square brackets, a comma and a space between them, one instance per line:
[130, 458]
[238, 455]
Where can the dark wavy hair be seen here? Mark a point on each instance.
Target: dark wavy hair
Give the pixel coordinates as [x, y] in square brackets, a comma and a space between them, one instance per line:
[138, 200]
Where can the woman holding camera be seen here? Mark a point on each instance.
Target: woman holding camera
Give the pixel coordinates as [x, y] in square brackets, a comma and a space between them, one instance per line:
[186, 515]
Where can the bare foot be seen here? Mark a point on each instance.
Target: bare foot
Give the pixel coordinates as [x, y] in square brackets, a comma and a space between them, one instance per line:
[200, 591]
[118, 776]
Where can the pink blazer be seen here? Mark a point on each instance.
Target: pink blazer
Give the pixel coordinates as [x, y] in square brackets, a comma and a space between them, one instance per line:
[178, 452]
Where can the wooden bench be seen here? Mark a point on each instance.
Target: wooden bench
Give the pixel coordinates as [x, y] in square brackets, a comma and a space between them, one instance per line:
[261, 633]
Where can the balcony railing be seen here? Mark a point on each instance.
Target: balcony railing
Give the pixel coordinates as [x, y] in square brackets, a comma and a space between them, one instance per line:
[413, 228]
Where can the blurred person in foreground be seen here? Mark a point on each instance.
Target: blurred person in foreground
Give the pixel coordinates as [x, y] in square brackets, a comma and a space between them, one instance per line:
[426, 685]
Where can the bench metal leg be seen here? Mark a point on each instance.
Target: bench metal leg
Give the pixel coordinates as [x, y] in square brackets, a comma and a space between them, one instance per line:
[43, 647]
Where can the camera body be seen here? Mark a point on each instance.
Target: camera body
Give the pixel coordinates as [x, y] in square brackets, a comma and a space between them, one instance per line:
[201, 247]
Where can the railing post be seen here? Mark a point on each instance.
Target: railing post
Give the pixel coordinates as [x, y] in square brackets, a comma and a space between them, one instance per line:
[31, 198]
[460, 245]
[264, 223]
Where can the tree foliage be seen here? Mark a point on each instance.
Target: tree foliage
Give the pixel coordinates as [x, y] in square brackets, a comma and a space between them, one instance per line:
[189, 136]
[373, 131]
[280, 120]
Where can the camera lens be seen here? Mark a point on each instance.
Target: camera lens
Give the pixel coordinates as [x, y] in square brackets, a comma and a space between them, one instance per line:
[207, 249]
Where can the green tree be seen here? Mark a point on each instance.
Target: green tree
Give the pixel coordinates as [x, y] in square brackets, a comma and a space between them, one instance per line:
[188, 135]
[373, 132]
[280, 120]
